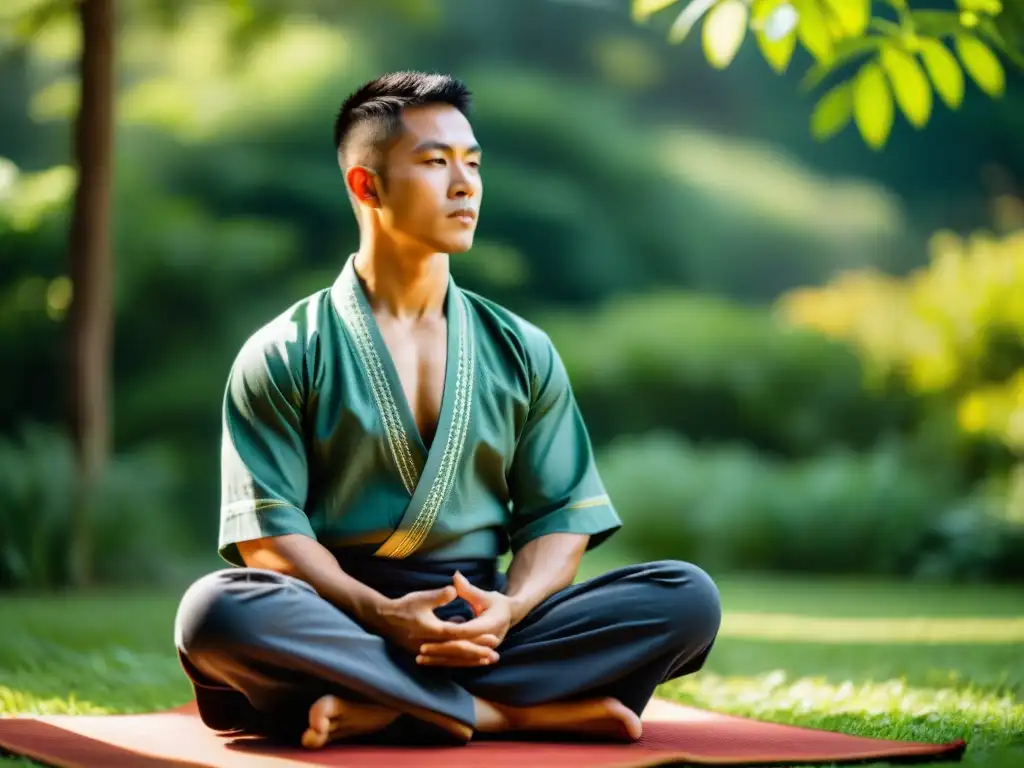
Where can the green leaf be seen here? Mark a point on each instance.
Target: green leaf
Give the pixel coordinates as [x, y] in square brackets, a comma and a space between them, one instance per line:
[832, 112]
[644, 9]
[844, 53]
[723, 32]
[691, 14]
[872, 105]
[936, 23]
[991, 31]
[886, 28]
[910, 85]
[813, 31]
[777, 53]
[853, 15]
[981, 64]
[944, 72]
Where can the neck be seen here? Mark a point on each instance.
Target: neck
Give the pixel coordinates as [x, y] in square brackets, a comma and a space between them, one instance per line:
[401, 283]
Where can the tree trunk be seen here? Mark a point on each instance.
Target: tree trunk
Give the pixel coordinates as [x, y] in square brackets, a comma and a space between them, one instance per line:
[91, 314]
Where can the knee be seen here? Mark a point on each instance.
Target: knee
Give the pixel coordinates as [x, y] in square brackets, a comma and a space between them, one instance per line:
[695, 606]
[214, 612]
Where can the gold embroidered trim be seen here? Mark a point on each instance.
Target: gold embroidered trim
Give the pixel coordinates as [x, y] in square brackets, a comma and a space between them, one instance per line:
[398, 440]
[594, 501]
[249, 506]
[404, 544]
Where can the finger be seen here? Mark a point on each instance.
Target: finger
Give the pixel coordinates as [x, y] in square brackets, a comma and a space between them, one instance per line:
[475, 597]
[448, 661]
[457, 648]
[484, 641]
[482, 625]
[442, 596]
[433, 598]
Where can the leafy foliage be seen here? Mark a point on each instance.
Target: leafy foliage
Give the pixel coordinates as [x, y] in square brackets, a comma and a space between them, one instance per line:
[954, 330]
[881, 511]
[133, 520]
[715, 372]
[956, 326]
[877, 63]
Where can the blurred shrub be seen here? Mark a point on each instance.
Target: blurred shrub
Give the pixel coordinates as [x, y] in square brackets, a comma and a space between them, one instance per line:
[134, 532]
[955, 327]
[952, 331]
[733, 508]
[713, 370]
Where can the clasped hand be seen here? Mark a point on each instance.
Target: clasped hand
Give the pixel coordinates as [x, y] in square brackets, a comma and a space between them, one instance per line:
[410, 622]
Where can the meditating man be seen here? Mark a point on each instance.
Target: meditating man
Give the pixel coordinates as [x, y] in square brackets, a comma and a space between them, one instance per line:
[385, 441]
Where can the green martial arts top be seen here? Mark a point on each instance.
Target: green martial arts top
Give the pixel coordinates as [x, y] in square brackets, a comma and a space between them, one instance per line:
[318, 438]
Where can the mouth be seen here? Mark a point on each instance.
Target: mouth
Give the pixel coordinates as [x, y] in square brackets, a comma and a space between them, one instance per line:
[465, 215]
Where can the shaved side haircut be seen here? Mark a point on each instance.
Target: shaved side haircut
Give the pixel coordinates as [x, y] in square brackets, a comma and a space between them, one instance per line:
[370, 119]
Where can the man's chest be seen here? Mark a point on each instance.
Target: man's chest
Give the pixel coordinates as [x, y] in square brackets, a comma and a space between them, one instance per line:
[418, 354]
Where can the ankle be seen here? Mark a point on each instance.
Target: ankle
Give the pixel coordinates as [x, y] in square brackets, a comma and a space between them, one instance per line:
[492, 718]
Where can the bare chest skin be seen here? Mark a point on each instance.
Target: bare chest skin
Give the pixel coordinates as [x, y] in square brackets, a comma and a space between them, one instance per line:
[419, 352]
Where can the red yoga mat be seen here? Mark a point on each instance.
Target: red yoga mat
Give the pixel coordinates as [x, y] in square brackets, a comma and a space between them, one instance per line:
[673, 735]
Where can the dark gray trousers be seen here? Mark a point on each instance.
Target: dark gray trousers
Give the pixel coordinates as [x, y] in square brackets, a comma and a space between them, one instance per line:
[260, 647]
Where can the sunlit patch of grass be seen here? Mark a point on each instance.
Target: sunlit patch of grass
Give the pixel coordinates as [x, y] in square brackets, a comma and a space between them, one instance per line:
[923, 630]
[776, 694]
[22, 703]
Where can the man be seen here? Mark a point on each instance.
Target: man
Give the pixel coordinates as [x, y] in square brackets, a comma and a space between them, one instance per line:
[385, 441]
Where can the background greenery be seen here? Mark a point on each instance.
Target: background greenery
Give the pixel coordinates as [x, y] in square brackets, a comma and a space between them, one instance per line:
[792, 355]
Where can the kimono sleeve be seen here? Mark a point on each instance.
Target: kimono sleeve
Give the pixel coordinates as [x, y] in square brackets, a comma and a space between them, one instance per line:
[554, 482]
[264, 469]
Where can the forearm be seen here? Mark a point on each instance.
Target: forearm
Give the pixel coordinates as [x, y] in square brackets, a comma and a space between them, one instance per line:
[306, 559]
[541, 568]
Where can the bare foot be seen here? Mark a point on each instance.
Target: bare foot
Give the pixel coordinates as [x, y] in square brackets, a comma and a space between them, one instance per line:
[605, 717]
[331, 718]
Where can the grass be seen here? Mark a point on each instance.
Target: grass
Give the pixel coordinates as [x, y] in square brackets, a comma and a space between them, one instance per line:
[872, 658]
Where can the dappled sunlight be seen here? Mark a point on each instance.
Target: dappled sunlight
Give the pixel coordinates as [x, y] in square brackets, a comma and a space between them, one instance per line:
[22, 703]
[192, 82]
[51, 679]
[925, 630]
[775, 695]
[755, 176]
[200, 94]
[952, 326]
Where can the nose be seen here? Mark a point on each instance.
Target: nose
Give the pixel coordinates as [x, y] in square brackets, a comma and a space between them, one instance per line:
[463, 184]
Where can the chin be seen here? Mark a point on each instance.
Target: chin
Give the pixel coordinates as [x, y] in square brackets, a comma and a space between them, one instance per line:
[455, 244]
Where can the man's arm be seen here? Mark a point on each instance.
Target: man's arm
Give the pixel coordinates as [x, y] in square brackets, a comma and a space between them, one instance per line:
[554, 485]
[541, 568]
[308, 560]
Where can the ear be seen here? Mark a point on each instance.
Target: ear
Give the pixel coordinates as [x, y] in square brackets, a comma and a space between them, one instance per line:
[363, 183]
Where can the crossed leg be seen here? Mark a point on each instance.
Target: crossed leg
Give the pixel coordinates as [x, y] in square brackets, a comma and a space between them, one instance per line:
[262, 648]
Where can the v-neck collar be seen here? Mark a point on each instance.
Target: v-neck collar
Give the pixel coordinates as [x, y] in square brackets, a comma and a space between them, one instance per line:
[453, 333]
[427, 474]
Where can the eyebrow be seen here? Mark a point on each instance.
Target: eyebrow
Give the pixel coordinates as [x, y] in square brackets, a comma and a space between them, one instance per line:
[438, 145]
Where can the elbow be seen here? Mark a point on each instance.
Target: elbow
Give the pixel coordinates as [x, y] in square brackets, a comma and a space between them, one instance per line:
[266, 554]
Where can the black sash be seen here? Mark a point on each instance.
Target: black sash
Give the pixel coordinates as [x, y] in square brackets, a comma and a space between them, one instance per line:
[394, 578]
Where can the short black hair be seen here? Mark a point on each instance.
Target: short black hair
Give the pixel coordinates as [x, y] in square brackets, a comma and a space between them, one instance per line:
[371, 116]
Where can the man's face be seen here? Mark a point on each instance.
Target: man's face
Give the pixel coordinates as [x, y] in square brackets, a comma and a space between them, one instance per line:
[432, 187]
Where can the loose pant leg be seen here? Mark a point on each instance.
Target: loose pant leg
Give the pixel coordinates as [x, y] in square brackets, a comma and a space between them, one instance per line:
[621, 634]
[271, 640]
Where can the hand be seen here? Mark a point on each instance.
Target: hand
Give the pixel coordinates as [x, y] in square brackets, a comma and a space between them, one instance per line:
[492, 619]
[410, 622]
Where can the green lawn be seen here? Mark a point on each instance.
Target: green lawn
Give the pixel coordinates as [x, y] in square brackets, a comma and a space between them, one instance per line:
[889, 660]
